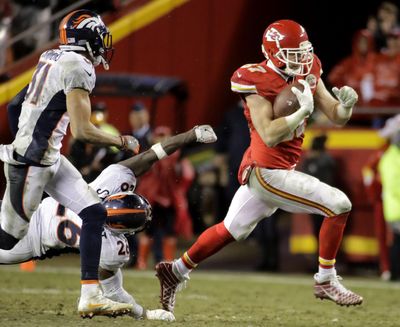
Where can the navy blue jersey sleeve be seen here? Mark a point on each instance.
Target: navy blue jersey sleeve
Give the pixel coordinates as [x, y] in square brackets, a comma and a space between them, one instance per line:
[14, 110]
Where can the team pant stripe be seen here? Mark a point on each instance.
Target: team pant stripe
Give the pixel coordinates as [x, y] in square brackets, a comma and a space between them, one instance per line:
[17, 179]
[291, 197]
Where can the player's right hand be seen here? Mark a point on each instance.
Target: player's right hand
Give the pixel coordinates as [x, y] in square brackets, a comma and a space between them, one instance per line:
[305, 98]
[205, 134]
[129, 143]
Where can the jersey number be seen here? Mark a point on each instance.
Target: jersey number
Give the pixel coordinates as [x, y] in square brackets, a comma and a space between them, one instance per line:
[37, 83]
[123, 248]
[68, 232]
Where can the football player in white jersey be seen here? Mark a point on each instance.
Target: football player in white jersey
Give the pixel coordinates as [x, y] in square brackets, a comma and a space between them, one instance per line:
[57, 95]
[54, 229]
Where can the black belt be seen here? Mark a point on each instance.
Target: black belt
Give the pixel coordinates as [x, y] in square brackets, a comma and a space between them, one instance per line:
[27, 161]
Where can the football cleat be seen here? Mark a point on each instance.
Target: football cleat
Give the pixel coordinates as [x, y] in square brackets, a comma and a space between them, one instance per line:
[329, 287]
[98, 305]
[159, 314]
[169, 283]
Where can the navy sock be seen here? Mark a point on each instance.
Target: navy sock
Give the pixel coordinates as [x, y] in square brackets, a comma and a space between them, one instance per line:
[7, 241]
[93, 219]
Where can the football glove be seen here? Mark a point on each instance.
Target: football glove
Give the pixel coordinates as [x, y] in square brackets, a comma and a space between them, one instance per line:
[205, 134]
[129, 143]
[159, 314]
[346, 96]
[305, 98]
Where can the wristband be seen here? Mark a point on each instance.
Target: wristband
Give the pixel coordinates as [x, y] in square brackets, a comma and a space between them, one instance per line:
[342, 112]
[159, 151]
[295, 119]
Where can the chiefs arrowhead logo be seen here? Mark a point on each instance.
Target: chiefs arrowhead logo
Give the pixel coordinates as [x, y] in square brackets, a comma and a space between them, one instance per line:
[273, 35]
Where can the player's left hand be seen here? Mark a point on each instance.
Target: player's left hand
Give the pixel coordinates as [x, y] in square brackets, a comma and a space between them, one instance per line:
[205, 134]
[129, 143]
[346, 96]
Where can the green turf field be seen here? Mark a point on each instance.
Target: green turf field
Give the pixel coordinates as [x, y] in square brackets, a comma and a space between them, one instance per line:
[47, 297]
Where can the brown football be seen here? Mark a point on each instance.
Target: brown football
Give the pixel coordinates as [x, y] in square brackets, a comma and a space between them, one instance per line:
[286, 101]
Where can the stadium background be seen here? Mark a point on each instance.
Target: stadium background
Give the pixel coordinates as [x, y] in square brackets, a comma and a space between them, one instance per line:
[202, 43]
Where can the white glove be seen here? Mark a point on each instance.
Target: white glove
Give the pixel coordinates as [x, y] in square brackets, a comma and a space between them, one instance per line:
[159, 314]
[346, 96]
[305, 98]
[205, 134]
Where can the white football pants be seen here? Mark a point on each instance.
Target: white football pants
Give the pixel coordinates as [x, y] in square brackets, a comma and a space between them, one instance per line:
[289, 190]
[25, 187]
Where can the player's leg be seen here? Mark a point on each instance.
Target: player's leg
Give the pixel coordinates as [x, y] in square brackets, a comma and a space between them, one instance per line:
[294, 191]
[21, 252]
[69, 189]
[245, 211]
[24, 190]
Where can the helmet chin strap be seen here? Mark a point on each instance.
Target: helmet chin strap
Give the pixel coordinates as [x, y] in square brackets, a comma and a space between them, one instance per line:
[97, 60]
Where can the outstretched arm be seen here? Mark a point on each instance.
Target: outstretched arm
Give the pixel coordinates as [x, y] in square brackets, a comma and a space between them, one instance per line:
[142, 162]
[79, 110]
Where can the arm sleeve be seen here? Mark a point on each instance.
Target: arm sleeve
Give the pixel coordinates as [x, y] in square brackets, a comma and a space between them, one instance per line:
[14, 110]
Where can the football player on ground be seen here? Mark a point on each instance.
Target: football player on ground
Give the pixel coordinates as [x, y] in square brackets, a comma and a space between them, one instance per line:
[267, 176]
[55, 229]
[57, 95]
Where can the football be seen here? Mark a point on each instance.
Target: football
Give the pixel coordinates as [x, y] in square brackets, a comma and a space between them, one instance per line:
[286, 101]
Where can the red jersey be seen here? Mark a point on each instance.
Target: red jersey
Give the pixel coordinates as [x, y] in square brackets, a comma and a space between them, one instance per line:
[267, 81]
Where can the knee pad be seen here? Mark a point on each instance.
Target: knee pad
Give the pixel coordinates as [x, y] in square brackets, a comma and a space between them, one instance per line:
[93, 214]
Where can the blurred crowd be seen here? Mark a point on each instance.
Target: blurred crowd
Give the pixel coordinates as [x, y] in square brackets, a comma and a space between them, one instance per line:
[373, 67]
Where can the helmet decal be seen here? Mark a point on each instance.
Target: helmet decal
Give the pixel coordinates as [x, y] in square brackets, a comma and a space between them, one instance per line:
[77, 23]
[273, 35]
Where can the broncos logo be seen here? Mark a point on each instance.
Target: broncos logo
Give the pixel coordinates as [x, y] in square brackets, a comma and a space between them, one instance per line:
[86, 21]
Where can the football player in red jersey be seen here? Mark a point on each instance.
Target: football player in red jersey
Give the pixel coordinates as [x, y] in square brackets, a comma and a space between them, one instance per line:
[267, 176]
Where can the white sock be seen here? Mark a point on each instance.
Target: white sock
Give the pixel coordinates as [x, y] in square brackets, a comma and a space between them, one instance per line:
[181, 269]
[89, 289]
[326, 271]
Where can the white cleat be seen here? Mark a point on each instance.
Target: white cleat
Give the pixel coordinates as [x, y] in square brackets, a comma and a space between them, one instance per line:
[159, 314]
[329, 287]
[98, 305]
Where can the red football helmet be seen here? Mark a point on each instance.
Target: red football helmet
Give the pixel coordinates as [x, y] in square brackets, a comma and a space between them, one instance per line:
[286, 44]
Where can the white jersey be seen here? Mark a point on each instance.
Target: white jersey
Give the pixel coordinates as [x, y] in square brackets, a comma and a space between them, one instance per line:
[54, 229]
[44, 119]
